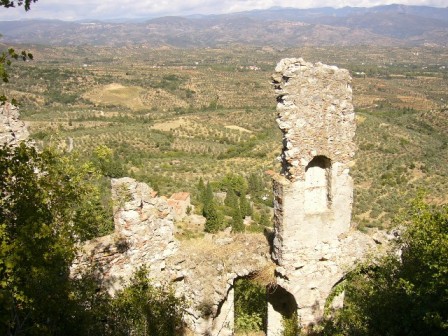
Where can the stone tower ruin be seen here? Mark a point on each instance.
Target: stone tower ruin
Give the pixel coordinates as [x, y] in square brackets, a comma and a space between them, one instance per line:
[313, 194]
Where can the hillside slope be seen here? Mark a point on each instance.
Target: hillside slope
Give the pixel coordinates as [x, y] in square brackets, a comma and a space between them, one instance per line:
[383, 25]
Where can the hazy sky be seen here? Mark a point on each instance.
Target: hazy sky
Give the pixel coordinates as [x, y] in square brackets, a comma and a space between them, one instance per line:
[108, 9]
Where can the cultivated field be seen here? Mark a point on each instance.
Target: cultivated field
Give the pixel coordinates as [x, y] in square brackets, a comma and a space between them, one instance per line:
[172, 116]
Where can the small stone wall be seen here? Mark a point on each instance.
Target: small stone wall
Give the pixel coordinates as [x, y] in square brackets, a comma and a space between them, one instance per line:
[144, 235]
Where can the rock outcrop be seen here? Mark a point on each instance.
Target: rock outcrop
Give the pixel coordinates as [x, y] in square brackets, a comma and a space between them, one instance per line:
[12, 129]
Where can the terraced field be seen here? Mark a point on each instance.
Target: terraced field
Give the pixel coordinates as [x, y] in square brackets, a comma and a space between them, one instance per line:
[173, 116]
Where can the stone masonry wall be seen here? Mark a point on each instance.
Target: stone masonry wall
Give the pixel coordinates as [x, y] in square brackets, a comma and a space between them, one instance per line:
[313, 194]
[202, 270]
[315, 113]
[144, 235]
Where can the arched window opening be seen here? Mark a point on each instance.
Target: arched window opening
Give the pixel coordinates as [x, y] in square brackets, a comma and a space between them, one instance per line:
[318, 185]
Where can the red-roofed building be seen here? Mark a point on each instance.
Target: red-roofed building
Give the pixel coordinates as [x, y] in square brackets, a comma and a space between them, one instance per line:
[180, 202]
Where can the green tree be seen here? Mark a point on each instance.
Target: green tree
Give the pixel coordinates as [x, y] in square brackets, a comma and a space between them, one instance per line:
[47, 204]
[107, 162]
[235, 182]
[245, 208]
[231, 199]
[250, 306]
[237, 220]
[213, 217]
[7, 56]
[201, 186]
[207, 200]
[207, 196]
[141, 309]
[255, 184]
[406, 294]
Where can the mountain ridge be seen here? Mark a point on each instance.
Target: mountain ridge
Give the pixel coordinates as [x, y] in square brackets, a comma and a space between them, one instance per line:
[279, 26]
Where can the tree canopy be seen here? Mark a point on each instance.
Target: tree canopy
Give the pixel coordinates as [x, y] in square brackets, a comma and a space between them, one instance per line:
[47, 204]
[13, 3]
[404, 293]
[7, 56]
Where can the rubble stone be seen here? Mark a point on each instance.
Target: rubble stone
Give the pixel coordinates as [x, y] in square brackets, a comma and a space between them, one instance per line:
[12, 129]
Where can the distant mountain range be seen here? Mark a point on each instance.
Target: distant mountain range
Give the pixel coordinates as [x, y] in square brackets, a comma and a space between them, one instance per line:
[282, 27]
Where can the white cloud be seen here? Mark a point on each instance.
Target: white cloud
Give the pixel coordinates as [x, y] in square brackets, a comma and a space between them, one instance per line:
[106, 9]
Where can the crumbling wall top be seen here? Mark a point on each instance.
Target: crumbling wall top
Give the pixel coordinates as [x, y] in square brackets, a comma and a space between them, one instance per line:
[315, 113]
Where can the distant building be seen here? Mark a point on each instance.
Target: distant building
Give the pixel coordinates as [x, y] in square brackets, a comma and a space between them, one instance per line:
[180, 202]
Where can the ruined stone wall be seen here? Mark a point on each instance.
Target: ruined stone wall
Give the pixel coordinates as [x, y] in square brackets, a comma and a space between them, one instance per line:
[144, 236]
[313, 194]
[313, 244]
[315, 113]
[316, 117]
[12, 129]
[202, 270]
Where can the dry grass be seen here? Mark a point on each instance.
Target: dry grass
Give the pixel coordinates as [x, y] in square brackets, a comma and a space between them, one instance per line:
[238, 128]
[116, 94]
[266, 276]
[170, 125]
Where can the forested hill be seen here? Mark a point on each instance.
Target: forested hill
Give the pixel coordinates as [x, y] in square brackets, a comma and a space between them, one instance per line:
[392, 25]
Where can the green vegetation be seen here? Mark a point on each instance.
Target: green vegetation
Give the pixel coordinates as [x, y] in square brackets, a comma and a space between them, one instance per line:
[41, 196]
[108, 164]
[250, 306]
[141, 309]
[48, 203]
[400, 152]
[239, 201]
[6, 58]
[405, 293]
[172, 118]
[237, 220]
[196, 114]
[291, 325]
[214, 220]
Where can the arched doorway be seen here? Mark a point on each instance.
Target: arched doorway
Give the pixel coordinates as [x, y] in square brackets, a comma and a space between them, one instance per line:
[282, 312]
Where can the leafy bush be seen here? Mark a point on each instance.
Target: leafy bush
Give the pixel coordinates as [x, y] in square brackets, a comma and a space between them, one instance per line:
[141, 309]
[401, 294]
[250, 306]
[47, 204]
